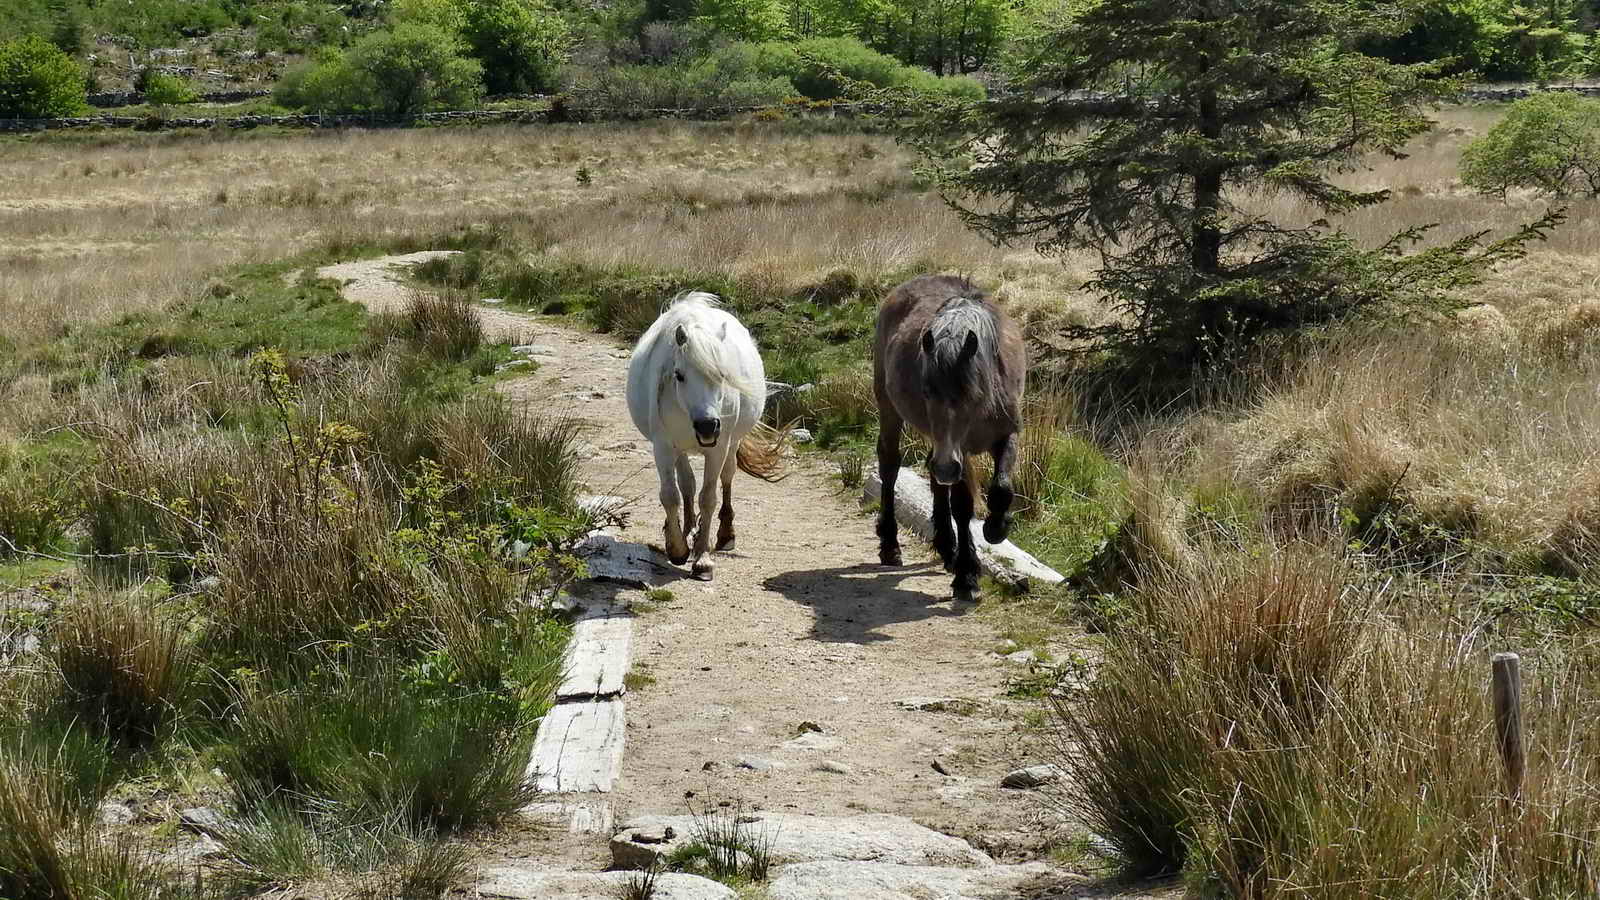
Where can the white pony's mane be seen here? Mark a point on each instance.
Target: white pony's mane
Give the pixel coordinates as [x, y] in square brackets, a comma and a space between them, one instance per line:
[712, 357]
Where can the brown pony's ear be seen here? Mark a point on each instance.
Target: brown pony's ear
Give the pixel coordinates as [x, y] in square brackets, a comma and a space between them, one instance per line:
[682, 336]
[969, 349]
[927, 342]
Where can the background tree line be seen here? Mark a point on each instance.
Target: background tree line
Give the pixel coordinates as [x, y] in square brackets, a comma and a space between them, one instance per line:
[363, 55]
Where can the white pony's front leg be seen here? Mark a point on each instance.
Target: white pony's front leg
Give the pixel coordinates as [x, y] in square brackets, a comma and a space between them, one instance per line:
[671, 500]
[702, 568]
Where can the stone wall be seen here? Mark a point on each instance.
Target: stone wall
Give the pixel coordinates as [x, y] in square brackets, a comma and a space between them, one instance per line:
[482, 116]
[1505, 94]
[561, 113]
[132, 98]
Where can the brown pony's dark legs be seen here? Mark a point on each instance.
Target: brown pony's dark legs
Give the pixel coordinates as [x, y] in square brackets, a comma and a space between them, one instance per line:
[998, 525]
[889, 426]
[966, 564]
[944, 540]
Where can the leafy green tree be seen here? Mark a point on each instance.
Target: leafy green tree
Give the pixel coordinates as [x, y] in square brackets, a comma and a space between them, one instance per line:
[414, 67]
[1549, 142]
[1543, 38]
[745, 20]
[1143, 130]
[37, 80]
[521, 43]
[1498, 39]
[947, 36]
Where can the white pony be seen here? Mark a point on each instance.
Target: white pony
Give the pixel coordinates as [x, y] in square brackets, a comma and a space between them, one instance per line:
[696, 385]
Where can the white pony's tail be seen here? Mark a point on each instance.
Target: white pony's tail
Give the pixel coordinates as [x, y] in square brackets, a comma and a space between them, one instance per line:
[760, 453]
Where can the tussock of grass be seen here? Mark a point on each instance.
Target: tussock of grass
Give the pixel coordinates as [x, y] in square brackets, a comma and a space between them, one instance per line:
[50, 782]
[1263, 723]
[124, 666]
[277, 846]
[724, 845]
[367, 744]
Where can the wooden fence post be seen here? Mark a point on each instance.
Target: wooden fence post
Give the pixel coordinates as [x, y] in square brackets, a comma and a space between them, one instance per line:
[1508, 719]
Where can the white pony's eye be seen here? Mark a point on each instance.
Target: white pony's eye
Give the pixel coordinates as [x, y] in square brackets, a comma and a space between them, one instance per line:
[678, 375]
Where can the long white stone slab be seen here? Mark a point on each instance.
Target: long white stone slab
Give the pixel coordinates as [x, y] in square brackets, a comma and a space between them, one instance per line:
[597, 657]
[578, 747]
[913, 506]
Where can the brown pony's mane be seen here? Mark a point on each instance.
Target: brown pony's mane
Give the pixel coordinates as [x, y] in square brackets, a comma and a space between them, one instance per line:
[976, 380]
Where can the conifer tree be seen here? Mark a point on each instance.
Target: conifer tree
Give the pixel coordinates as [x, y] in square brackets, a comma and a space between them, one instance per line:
[1155, 131]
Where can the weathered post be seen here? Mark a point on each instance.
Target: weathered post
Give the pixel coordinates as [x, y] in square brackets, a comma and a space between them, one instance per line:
[1508, 719]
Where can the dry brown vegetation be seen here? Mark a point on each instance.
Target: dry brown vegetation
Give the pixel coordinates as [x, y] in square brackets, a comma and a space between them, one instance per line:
[92, 229]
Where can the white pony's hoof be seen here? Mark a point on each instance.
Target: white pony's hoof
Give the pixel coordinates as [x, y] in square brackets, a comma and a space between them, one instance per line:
[701, 570]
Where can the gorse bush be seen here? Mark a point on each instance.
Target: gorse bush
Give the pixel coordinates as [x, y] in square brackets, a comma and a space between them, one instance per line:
[1549, 142]
[38, 80]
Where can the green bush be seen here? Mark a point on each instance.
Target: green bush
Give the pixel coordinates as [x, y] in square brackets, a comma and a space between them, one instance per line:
[398, 72]
[162, 89]
[814, 66]
[37, 80]
[1549, 142]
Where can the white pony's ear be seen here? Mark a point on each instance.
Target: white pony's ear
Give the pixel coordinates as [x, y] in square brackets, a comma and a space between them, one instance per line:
[723, 334]
[682, 336]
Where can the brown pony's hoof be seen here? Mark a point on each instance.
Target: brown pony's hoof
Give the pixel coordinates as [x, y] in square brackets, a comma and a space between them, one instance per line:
[963, 594]
[677, 559]
[701, 571]
[726, 544]
[890, 557]
[996, 531]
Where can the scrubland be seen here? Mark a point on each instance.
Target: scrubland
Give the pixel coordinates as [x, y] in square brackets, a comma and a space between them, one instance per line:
[1292, 575]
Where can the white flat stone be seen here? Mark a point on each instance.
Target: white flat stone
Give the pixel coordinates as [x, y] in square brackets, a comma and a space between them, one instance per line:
[796, 838]
[578, 748]
[576, 816]
[597, 657]
[884, 881]
[623, 562]
[513, 883]
[913, 506]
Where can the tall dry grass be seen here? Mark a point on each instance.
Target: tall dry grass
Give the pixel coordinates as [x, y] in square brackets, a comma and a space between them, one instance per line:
[1435, 443]
[1283, 723]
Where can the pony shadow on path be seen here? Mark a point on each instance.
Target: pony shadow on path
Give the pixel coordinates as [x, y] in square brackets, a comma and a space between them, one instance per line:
[852, 602]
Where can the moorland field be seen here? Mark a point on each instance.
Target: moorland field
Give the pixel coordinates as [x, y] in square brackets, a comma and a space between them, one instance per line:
[238, 506]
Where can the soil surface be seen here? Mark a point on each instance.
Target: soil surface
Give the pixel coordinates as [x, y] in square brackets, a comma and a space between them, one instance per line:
[775, 684]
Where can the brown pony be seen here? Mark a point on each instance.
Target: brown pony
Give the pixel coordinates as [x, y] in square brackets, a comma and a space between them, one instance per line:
[950, 363]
